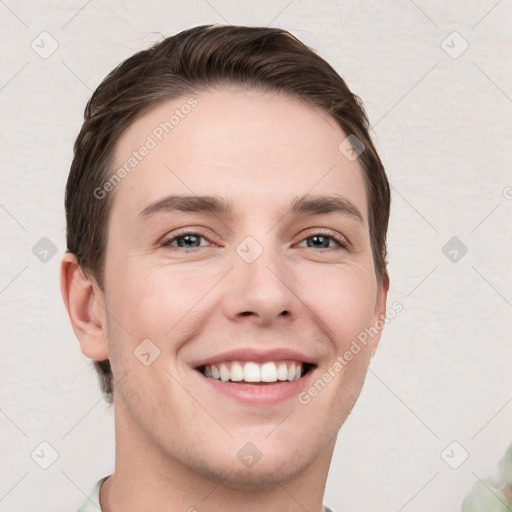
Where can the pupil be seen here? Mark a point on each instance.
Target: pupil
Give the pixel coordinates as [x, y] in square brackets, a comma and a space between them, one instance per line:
[316, 238]
[187, 238]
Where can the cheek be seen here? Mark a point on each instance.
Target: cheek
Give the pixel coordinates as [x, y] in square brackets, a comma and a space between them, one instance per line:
[343, 298]
[150, 299]
[144, 305]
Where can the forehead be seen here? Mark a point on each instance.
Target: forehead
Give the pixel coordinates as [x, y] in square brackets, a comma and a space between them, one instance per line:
[254, 148]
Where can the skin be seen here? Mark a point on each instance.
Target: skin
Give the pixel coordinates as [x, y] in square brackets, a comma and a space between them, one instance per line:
[177, 440]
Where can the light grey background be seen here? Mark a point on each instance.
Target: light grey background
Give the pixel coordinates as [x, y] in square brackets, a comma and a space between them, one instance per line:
[442, 125]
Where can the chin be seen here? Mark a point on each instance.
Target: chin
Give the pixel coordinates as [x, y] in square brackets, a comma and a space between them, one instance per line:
[264, 474]
[256, 479]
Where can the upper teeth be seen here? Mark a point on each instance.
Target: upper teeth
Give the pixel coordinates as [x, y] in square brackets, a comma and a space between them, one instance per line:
[254, 372]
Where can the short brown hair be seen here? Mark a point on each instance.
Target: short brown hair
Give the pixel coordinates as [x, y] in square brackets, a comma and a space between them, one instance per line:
[267, 59]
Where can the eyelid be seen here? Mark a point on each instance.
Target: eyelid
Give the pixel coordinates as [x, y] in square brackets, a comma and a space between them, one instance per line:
[170, 237]
[342, 240]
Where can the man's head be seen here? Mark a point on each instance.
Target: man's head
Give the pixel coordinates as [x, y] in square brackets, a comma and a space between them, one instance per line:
[194, 60]
[289, 204]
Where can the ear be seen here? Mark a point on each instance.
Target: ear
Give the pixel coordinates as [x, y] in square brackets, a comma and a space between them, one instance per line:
[86, 308]
[379, 315]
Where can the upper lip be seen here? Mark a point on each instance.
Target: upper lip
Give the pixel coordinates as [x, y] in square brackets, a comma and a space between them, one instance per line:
[258, 356]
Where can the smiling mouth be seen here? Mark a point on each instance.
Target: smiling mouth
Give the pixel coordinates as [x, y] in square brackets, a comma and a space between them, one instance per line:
[250, 372]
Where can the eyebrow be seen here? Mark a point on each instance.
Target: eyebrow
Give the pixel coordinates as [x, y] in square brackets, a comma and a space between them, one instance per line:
[318, 205]
[210, 204]
[303, 205]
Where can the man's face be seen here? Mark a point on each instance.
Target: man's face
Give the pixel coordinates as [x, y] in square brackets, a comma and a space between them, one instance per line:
[256, 285]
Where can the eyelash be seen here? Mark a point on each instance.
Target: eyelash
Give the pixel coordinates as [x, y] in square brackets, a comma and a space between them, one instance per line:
[341, 241]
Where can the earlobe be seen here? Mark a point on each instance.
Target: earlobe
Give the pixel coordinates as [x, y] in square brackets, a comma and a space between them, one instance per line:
[85, 306]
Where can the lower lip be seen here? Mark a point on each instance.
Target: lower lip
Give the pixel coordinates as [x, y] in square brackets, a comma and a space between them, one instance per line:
[258, 394]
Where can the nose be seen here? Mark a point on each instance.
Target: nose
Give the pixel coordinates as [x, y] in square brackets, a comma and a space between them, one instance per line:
[261, 289]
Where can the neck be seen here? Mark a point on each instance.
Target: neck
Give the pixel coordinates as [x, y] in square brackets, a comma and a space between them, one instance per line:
[146, 478]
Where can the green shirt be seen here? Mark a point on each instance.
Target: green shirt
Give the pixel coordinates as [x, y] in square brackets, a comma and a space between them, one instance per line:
[92, 503]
